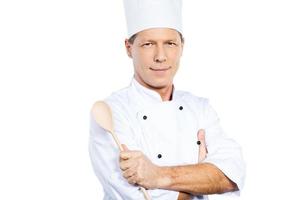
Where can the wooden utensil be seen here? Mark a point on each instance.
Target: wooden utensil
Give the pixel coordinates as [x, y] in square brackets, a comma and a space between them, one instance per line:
[104, 119]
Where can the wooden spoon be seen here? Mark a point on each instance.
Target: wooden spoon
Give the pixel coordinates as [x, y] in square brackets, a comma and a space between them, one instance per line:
[103, 117]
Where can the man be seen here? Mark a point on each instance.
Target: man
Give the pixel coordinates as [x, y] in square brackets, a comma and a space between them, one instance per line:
[162, 129]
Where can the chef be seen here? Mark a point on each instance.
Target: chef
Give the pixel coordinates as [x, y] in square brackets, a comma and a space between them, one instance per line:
[174, 144]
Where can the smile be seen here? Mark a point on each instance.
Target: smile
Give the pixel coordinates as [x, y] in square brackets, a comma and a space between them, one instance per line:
[160, 69]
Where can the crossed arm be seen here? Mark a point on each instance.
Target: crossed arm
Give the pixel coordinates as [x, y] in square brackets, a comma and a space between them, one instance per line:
[196, 179]
[203, 178]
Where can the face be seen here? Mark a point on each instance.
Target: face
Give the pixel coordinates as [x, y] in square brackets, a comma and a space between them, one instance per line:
[156, 55]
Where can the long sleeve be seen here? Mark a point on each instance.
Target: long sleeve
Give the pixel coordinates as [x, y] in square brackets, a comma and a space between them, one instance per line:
[223, 152]
[104, 156]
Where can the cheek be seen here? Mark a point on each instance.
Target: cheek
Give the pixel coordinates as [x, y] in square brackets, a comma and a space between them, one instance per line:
[140, 63]
[137, 59]
[144, 59]
[175, 57]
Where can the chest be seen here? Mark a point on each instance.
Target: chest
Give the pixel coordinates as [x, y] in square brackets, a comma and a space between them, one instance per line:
[167, 133]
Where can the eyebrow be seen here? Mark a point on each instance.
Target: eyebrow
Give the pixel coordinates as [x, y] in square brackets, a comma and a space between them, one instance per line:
[150, 40]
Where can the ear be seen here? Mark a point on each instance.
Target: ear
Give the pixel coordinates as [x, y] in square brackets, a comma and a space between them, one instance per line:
[128, 48]
[182, 45]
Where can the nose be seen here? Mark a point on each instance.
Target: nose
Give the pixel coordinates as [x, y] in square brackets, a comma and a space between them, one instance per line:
[160, 55]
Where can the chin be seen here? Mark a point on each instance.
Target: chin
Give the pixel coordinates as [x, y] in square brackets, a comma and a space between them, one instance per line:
[159, 85]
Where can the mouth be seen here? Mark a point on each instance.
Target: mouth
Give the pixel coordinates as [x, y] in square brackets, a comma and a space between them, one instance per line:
[160, 69]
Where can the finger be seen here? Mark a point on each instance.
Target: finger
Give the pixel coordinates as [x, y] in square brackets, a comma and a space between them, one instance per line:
[130, 154]
[126, 164]
[184, 196]
[125, 148]
[201, 137]
[201, 134]
[202, 145]
[132, 179]
[128, 173]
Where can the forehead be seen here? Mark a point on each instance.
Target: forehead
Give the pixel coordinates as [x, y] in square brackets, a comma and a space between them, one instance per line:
[158, 34]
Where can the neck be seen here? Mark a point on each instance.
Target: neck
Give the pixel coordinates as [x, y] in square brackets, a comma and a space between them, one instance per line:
[165, 92]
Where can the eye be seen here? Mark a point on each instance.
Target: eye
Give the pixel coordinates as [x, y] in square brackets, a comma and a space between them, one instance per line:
[147, 44]
[172, 44]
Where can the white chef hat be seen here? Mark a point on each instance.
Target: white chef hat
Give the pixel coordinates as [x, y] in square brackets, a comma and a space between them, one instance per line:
[145, 14]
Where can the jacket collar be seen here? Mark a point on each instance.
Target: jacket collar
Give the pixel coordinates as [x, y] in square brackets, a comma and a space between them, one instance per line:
[147, 94]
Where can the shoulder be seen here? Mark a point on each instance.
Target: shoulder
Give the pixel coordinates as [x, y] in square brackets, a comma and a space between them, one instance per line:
[116, 103]
[116, 99]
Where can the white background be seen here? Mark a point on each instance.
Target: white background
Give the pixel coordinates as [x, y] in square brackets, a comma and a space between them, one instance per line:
[58, 57]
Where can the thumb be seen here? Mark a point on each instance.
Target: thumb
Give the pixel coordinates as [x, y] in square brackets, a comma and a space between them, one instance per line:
[125, 148]
[201, 135]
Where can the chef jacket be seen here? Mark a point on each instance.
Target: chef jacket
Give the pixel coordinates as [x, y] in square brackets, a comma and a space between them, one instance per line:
[166, 132]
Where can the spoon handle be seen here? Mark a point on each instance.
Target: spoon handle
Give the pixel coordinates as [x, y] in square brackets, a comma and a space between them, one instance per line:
[146, 195]
[117, 141]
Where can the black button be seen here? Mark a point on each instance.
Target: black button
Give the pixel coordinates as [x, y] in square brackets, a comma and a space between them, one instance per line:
[198, 142]
[159, 155]
[180, 108]
[144, 117]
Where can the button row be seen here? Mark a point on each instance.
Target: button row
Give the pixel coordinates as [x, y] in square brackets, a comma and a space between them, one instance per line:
[145, 117]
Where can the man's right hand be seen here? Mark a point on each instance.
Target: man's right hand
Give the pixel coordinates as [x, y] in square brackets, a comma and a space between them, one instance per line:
[201, 155]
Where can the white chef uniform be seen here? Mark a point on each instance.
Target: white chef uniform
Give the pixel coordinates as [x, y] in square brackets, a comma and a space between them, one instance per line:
[166, 132]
